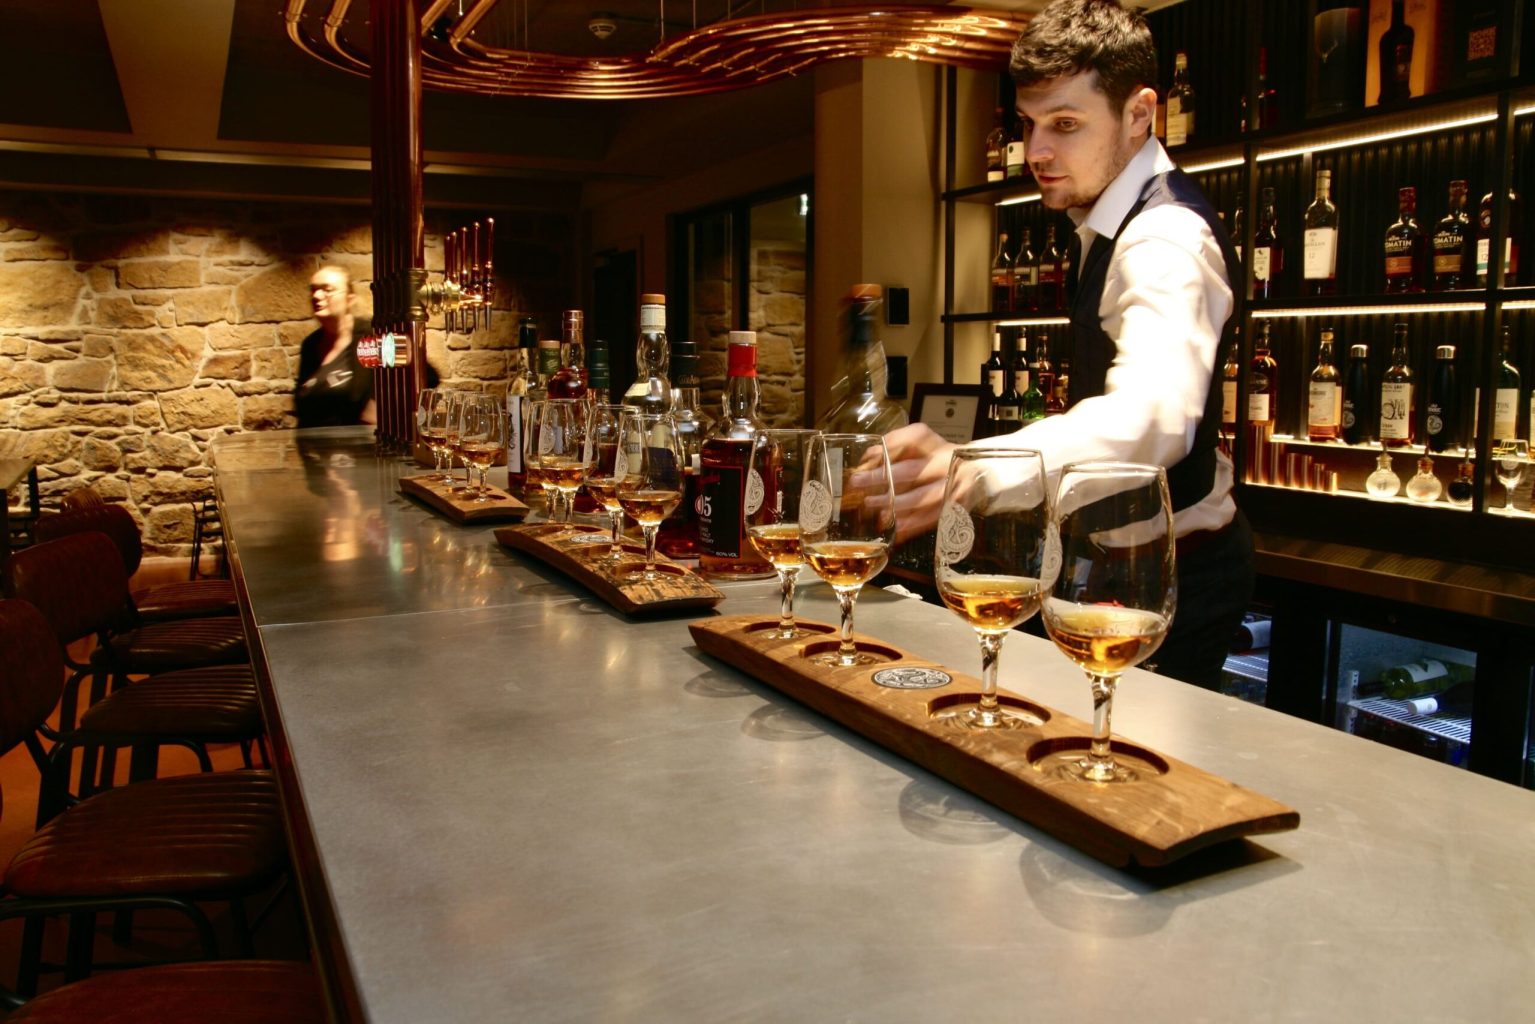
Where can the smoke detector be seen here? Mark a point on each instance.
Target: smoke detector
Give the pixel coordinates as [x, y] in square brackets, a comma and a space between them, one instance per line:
[602, 25]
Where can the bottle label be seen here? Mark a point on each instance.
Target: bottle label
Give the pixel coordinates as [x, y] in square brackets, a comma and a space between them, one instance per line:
[1262, 259]
[1399, 266]
[1505, 410]
[1007, 411]
[1322, 409]
[1483, 254]
[1434, 422]
[1349, 419]
[1177, 125]
[1396, 412]
[1015, 153]
[652, 318]
[994, 378]
[514, 433]
[1030, 275]
[1258, 408]
[1448, 253]
[1229, 402]
[548, 360]
[743, 361]
[721, 490]
[1321, 259]
[1020, 381]
[995, 174]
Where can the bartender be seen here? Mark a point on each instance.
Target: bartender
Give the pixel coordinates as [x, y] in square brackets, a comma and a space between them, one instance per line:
[1151, 297]
[333, 388]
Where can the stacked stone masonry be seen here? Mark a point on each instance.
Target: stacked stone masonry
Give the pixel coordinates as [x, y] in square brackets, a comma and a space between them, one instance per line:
[776, 311]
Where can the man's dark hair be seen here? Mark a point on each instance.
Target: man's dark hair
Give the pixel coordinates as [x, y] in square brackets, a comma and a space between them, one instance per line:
[1072, 36]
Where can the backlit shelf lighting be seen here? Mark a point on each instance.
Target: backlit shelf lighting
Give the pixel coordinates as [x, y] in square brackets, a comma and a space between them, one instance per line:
[1038, 321]
[1214, 165]
[1032, 198]
[1520, 304]
[1366, 140]
[1424, 307]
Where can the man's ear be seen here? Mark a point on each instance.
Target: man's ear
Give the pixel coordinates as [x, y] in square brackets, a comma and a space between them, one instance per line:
[1140, 112]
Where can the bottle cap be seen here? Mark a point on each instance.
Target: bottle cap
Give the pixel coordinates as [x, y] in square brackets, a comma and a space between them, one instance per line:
[597, 371]
[652, 299]
[527, 333]
[743, 338]
[572, 324]
[1359, 351]
[742, 354]
[1407, 194]
[1445, 351]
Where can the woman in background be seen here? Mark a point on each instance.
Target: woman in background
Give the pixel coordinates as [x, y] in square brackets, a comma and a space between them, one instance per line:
[333, 388]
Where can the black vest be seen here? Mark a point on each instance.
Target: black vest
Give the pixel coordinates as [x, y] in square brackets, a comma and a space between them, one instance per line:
[1093, 351]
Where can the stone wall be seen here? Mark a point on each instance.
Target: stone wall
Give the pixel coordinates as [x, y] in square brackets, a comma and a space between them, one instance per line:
[777, 313]
[133, 331]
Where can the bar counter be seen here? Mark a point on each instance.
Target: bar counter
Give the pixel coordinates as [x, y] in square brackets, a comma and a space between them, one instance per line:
[510, 803]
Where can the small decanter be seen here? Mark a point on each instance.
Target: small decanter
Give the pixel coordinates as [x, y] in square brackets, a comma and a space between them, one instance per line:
[1383, 483]
[1424, 485]
[1464, 483]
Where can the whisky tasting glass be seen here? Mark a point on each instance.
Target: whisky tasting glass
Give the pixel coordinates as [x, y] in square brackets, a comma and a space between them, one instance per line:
[847, 523]
[482, 437]
[989, 560]
[650, 484]
[775, 479]
[1509, 457]
[533, 482]
[601, 481]
[562, 427]
[1114, 589]
[432, 424]
[455, 416]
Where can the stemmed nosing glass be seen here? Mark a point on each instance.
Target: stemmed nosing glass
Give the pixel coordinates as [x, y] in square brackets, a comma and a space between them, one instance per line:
[1114, 593]
[452, 437]
[432, 406]
[775, 481]
[648, 468]
[1509, 456]
[989, 563]
[482, 437]
[605, 439]
[847, 523]
[562, 451]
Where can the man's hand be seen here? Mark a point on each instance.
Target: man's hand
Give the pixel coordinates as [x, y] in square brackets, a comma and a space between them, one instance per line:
[919, 463]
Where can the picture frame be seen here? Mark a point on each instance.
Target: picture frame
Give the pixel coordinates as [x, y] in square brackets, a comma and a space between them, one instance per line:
[956, 412]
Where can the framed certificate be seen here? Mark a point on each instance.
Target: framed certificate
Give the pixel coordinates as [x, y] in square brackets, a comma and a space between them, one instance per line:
[956, 412]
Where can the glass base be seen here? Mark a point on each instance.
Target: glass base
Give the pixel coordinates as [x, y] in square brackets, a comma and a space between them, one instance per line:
[1087, 769]
[836, 660]
[971, 716]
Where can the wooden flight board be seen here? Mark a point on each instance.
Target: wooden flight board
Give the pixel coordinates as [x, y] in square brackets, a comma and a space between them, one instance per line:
[578, 550]
[1168, 812]
[458, 504]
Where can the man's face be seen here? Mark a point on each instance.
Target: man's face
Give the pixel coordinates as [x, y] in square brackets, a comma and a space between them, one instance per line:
[1076, 143]
[329, 295]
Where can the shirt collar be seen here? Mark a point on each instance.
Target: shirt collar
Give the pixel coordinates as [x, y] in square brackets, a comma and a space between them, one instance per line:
[1115, 202]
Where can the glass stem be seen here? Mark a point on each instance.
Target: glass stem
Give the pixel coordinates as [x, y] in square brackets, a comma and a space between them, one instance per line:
[786, 581]
[991, 653]
[617, 519]
[847, 653]
[1103, 706]
[650, 549]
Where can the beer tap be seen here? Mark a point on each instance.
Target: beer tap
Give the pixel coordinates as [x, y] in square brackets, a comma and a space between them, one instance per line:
[467, 279]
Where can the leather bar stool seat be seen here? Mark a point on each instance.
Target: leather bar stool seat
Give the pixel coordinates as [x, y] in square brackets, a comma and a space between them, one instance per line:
[217, 704]
[194, 836]
[179, 644]
[188, 599]
[223, 992]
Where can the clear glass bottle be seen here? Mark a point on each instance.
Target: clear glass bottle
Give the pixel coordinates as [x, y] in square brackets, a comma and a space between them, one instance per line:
[1320, 258]
[1424, 485]
[1451, 244]
[1180, 104]
[1442, 423]
[1383, 483]
[996, 147]
[1398, 412]
[866, 407]
[1324, 408]
[679, 531]
[1404, 246]
[724, 549]
[651, 390]
[1262, 380]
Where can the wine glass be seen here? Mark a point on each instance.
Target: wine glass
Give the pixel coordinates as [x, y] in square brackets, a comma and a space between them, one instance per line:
[482, 437]
[533, 482]
[847, 523]
[989, 560]
[775, 479]
[1112, 592]
[650, 481]
[562, 427]
[601, 477]
[1510, 455]
[452, 432]
[430, 428]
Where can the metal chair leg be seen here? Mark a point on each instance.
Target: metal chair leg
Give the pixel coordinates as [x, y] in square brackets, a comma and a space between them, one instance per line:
[31, 956]
[82, 940]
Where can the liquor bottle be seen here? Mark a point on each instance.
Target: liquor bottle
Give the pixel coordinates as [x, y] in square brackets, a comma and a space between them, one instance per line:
[569, 381]
[1505, 400]
[1428, 675]
[1424, 486]
[724, 549]
[993, 371]
[520, 382]
[1009, 408]
[1320, 261]
[1231, 374]
[679, 531]
[1510, 244]
[1268, 250]
[1356, 397]
[549, 363]
[1383, 483]
[1180, 104]
[1044, 371]
[1464, 485]
[1059, 399]
[1031, 405]
[1405, 245]
[996, 148]
[1442, 424]
[1026, 276]
[1016, 165]
[1451, 244]
[866, 406]
[1262, 380]
[1050, 282]
[651, 391]
[1335, 67]
[1456, 701]
[1267, 115]
[1324, 409]
[1238, 224]
[1397, 411]
[1001, 277]
[1396, 45]
[599, 375]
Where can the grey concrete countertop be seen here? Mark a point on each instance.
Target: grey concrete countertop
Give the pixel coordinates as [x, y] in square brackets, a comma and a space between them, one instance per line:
[525, 807]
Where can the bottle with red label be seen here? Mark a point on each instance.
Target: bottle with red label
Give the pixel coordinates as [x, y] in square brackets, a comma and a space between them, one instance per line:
[724, 549]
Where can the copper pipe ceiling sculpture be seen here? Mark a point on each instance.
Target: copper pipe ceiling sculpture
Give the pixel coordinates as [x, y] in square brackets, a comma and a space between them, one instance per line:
[728, 54]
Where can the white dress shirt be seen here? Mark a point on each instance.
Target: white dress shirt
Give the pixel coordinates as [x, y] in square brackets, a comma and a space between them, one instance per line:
[1164, 303]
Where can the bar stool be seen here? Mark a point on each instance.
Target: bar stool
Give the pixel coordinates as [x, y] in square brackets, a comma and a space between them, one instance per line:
[164, 843]
[81, 497]
[231, 992]
[182, 600]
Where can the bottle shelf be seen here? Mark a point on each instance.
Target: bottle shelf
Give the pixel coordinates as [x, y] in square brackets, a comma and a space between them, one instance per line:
[1372, 449]
[1008, 319]
[1400, 500]
[1457, 730]
[1014, 190]
[1416, 303]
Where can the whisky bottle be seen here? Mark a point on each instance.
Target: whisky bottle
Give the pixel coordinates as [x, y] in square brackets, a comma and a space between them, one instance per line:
[993, 371]
[1510, 244]
[569, 381]
[520, 381]
[1268, 250]
[1015, 163]
[1324, 408]
[1356, 397]
[1320, 263]
[1180, 104]
[724, 549]
[1026, 276]
[651, 390]
[1262, 380]
[1505, 400]
[1268, 96]
[679, 531]
[1451, 243]
[1009, 407]
[599, 376]
[1397, 411]
[996, 148]
[866, 406]
[1396, 45]
[1404, 246]
[1059, 399]
[1044, 374]
[549, 363]
[1231, 374]
[1238, 224]
[1001, 277]
[1442, 422]
[1051, 284]
[1031, 405]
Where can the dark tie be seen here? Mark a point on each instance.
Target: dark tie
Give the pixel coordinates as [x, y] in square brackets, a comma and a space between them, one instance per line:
[1074, 272]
